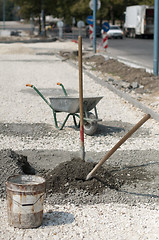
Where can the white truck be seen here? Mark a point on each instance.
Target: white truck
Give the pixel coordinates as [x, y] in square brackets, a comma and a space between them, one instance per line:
[139, 21]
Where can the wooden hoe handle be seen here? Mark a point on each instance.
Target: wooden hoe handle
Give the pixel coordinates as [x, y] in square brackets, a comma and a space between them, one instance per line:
[139, 124]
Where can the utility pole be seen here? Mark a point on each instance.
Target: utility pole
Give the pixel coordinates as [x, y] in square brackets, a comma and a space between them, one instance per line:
[94, 24]
[43, 19]
[42, 25]
[156, 38]
[4, 14]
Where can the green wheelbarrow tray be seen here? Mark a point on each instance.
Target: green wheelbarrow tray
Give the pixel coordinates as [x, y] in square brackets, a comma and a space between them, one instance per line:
[70, 105]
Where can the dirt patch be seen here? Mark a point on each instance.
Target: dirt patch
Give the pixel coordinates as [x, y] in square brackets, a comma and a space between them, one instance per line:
[12, 163]
[67, 175]
[72, 175]
[138, 83]
[128, 183]
[129, 74]
[147, 82]
[66, 182]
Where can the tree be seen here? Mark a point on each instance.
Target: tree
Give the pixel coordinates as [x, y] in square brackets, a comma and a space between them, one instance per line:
[33, 8]
[111, 10]
[64, 9]
[147, 2]
[28, 7]
[10, 10]
[81, 10]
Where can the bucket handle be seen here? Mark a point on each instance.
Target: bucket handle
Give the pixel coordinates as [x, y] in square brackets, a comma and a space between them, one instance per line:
[27, 204]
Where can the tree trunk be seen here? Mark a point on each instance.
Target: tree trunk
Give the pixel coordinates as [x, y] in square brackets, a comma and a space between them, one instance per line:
[39, 24]
[112, 15]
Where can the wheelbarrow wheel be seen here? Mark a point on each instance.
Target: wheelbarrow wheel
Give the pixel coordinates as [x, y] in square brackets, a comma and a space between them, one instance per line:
[90, 127]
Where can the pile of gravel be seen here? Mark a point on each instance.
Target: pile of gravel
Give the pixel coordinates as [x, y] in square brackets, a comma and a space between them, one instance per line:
[11, 164]
[66, 183]
[71, 175]
[67, 179]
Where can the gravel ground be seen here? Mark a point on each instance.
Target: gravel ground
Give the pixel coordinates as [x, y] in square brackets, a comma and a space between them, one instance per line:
[27, 127]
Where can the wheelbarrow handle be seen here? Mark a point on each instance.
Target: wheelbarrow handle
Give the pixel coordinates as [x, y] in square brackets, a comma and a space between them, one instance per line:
[64, 90]
[29, 85]
[40, 94]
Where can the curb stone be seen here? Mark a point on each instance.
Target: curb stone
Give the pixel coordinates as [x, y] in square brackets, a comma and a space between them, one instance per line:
[121, 94]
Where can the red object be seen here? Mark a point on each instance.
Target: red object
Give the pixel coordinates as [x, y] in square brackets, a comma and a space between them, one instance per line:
[105, 39]
[82, 134]
[91, 31]
[75, 41]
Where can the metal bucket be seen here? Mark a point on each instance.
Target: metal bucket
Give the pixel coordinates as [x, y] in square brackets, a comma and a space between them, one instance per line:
[25, 197]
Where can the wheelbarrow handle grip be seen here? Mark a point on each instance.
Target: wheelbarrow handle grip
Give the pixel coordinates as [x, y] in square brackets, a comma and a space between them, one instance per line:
[60, 84]
[29, 85]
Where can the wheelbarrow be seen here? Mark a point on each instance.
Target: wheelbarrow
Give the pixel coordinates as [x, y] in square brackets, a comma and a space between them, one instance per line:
[70, 105]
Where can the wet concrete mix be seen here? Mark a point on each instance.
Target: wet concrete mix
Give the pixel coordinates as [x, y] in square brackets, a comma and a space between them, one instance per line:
[66, 182]
[67, 175]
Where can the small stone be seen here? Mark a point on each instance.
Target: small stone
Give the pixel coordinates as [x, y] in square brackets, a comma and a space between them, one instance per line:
[134, 85]
[111, 79]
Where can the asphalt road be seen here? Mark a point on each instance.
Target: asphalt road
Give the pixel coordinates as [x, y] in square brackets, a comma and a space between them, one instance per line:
[137, 51]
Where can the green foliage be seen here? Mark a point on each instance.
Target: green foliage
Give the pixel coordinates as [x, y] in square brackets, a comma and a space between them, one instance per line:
[10, 10]
[147, 2]
[28, 7]
[138, 2]
[63, 9]
[81, 10]
[110, 10]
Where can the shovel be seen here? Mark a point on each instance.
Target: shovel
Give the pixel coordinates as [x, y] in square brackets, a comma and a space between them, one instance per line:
[139, 124]
[81, 98]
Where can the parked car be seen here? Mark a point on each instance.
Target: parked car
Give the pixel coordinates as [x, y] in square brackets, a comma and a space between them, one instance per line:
[98, 31]
[115, 32]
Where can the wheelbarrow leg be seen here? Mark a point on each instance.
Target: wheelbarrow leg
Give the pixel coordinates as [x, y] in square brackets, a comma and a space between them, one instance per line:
[75, 122]
[63, 124]
[55, 119]
[95, 111]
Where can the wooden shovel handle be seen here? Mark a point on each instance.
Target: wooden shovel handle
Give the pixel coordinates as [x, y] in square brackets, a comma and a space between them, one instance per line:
[81, 97]
[139, 124]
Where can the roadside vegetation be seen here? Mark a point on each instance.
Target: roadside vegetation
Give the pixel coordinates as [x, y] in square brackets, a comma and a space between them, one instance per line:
[111, 10]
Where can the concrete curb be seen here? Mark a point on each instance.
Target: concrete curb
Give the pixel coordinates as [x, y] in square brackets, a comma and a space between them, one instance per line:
[29, 41]
[125, 96]
[121, 94]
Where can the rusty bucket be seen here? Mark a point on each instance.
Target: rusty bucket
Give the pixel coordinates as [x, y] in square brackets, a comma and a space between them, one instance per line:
[25, 197]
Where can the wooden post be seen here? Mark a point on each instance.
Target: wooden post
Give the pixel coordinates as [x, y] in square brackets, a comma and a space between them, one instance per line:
[81, 97]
